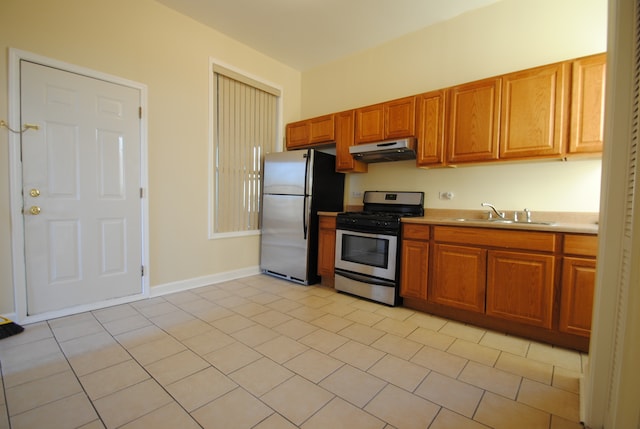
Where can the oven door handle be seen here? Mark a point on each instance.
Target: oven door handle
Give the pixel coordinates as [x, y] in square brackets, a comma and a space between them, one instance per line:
[364, 279]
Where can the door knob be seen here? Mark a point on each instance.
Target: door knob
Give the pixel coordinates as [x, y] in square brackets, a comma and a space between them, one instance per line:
[34, 192]
[34, 210]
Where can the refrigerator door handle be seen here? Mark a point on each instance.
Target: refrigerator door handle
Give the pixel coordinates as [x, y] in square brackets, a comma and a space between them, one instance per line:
[308, 168]
[306, 207]
[305, 218]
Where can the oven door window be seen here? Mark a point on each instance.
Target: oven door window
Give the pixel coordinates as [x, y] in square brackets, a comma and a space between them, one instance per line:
[370, 251]
[367, 254]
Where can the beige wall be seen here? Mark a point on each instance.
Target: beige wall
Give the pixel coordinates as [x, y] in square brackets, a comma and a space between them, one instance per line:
[507, 36]
[146, 42]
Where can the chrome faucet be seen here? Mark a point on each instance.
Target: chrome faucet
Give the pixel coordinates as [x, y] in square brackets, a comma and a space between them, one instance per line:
[501, 215]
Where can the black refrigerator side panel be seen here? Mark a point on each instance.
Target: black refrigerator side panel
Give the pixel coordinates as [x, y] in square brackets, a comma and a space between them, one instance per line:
[327, 195]
[328, 185]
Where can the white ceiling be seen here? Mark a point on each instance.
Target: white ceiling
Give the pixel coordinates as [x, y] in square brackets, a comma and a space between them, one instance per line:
[308, 33]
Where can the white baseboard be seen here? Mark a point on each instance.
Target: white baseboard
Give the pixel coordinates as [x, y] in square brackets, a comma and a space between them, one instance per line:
[187, 284]
[154, 291]
[10, 316]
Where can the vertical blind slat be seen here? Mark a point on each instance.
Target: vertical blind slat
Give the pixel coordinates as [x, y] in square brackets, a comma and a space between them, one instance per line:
[246, 124]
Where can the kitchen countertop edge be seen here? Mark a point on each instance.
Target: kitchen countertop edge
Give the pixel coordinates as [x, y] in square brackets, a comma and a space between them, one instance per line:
[578, 228]
[569, 227]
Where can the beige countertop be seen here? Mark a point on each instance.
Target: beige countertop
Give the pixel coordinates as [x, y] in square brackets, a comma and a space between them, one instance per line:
[579, 223]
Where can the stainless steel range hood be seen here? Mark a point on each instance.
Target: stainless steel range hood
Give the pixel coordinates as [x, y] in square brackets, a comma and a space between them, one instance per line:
[390, 150]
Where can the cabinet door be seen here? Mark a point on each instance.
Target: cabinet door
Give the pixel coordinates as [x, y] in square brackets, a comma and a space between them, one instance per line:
[576, 302]
[297, 134]
[415, 262]
[474, 121]
[430, 117]
[345, 122]
[321, 129]
[520, 287]
[587, 104]
[400, 118]
[534, 112]
[370, 124]
[326, 246]
[459, 277]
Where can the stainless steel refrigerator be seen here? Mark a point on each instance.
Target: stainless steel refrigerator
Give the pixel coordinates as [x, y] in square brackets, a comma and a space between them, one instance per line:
[296, 185]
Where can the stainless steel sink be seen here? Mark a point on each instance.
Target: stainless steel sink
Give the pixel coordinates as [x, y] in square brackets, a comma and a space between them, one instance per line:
[502, 221]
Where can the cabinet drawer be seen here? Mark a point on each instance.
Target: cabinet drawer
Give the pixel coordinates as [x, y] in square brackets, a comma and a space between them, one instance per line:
[585, 245]
[415, 232]
[327, 222]
[508, 239]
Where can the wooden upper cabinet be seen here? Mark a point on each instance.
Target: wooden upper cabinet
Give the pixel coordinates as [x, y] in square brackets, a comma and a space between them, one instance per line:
[400, 118]
[321, 129]
[430, 117]
[311, 132]
[534, 112]
[383, 121]
[297, 134]
[544, 112]
[344, 133]
[474, 121]
[587, 104]
[369, 124]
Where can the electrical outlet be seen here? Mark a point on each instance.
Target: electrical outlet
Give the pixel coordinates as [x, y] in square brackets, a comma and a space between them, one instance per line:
[356, 194]
[446, 195]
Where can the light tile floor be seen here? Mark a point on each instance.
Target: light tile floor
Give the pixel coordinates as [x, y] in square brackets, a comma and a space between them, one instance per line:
[263, 353]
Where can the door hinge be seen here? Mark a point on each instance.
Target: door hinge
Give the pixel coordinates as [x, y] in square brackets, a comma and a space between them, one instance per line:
[142, 271]
[141, 192]
[140, 112]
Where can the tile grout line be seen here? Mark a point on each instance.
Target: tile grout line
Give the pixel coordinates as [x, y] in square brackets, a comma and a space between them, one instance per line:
[144, 369]
[380, 311]
[4, 396]
[75, 374]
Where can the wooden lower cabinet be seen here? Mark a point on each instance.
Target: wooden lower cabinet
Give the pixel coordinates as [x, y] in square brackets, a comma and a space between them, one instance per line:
[327, 249]
[520, 287]
[538, 285]
[459, 277]
[415, 257]
[415, 261]
[576, 302]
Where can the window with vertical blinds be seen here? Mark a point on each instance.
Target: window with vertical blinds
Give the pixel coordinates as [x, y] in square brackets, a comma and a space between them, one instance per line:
[245, 118]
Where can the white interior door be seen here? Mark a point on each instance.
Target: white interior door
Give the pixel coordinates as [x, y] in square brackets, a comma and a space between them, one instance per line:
[81, 188]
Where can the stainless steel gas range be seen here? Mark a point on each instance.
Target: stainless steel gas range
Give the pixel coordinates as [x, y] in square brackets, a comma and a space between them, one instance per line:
[367, 245]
